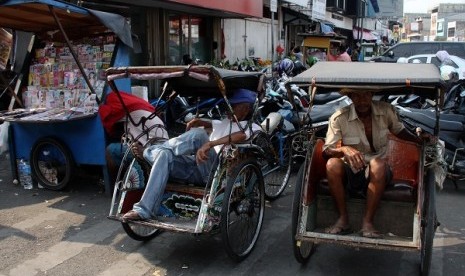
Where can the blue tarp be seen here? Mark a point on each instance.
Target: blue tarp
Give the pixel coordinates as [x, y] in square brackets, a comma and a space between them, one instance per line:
[326, 29]
[29, 17]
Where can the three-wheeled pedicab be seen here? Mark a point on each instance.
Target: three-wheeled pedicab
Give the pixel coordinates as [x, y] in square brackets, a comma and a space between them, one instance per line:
[406, 215]
[231, 203]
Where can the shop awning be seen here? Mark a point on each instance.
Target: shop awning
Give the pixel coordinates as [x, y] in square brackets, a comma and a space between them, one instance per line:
[364, 34]
[293, 17]
[35, 16]
[236, 8]
[61, 21]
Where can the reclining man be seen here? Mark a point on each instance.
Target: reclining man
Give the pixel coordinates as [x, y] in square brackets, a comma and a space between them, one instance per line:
[191, 155]
[362, 127]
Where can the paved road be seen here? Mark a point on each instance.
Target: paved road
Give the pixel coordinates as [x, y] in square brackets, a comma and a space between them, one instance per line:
[67, 233]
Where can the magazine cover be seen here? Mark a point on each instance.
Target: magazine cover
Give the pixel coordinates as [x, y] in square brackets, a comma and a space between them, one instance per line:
[6, 40]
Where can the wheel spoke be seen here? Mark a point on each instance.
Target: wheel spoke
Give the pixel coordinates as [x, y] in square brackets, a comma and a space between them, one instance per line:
[241, 222]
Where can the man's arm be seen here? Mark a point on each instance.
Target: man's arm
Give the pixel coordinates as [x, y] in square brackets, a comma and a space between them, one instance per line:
[404, 134]
[236, 137]
[197, 122]
[351, 155]
[419, 139]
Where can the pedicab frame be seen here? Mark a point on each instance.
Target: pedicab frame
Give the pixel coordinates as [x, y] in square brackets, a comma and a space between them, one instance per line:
[237, 178]
[385, 78]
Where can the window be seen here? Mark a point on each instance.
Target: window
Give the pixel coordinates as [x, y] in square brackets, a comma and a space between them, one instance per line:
[187, 39]
[450, 32]
[402, 51]
[425, 48]
[421, 59]
[338, 4]
[455, 48]
[435, 61]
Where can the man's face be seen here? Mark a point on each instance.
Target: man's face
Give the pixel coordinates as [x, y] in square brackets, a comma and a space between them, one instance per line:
[362, 101]
[241, 110]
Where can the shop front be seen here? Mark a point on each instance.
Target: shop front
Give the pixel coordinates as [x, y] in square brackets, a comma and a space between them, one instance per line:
[173, 32]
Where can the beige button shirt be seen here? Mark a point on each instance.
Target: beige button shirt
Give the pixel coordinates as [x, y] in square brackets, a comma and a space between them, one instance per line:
[345, 125]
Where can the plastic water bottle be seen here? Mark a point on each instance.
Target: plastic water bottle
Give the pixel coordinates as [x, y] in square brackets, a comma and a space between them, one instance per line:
[24, 171]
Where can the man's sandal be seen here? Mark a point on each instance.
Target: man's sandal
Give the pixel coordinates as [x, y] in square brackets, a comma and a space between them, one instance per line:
[338, 230]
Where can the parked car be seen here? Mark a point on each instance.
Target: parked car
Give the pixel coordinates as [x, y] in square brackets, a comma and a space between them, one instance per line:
[407, 49]
[457, 62]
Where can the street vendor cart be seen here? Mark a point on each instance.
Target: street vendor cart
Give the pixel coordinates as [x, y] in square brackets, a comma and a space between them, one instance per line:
[70, 47]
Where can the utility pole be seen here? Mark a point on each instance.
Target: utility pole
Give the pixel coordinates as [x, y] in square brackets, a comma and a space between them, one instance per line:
[273, 9]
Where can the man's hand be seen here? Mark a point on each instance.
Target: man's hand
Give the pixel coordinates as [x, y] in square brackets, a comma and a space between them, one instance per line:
[425, 137]
[193, 123]
[202, 153]
[354, 158]
[197, 122]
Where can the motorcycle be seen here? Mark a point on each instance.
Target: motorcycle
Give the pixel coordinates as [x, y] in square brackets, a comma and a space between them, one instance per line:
[177, 110]
[451, 132]
[451, 124]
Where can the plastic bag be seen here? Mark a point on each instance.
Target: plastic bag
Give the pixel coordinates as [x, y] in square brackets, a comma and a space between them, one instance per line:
[4, 137]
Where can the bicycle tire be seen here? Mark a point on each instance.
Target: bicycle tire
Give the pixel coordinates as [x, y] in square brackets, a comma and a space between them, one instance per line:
[242, 210]
[52, 164]
[276, 175]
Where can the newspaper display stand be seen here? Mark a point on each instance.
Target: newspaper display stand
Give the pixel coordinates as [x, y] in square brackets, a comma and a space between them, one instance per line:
[60, 127]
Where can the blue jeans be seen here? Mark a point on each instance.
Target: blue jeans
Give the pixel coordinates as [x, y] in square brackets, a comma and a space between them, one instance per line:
[173, 159]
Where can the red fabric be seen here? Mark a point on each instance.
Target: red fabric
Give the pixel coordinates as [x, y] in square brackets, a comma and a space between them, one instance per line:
[112, 110]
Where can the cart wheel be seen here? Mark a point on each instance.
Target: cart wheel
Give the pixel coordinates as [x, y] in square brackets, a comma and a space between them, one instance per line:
[242, 210]
[276, 175]
[140, 232]
[302, 249]
[51, 163]
[428, 223]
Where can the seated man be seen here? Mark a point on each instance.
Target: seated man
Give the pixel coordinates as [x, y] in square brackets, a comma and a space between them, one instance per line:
[362, 127]
[113, 115]
[191, 155]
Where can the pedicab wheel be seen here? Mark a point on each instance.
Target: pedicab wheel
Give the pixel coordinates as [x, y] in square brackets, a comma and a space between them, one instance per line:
[242, 209]
[302, 249]
[140, 232]
[276, 176]
[51, 163]
[133, 179]
[428, 223]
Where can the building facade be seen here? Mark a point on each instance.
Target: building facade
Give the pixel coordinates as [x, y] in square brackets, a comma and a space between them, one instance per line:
[447, 22]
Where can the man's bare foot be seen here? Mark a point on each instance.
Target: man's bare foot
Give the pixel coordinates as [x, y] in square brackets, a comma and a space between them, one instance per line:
[338, 230]
[341, 227]
[137, 150]
[368, 231]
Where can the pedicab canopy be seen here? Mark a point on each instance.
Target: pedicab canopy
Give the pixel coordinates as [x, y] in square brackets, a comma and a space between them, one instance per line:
[202, 80]
[332, 76]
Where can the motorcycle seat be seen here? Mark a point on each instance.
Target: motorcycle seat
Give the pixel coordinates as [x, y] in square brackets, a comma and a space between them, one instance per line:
[442, 116]
[430, 121]
[324, 98]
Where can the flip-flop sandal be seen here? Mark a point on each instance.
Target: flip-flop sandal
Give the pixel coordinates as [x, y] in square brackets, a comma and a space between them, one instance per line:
[338, 230]
[373, 234]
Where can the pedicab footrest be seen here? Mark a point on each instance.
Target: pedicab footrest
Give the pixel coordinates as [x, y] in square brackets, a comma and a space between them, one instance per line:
[168, 224]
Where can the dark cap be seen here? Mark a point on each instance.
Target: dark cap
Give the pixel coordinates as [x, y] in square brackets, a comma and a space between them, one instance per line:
[242, 96]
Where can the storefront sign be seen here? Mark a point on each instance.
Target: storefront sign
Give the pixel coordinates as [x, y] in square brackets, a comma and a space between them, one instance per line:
[273, 5]
[252, 8]
[302, 3]
[319, 9]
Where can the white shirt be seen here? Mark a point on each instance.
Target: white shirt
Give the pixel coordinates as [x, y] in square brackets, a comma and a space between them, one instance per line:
[225, 127]
[135, 131]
